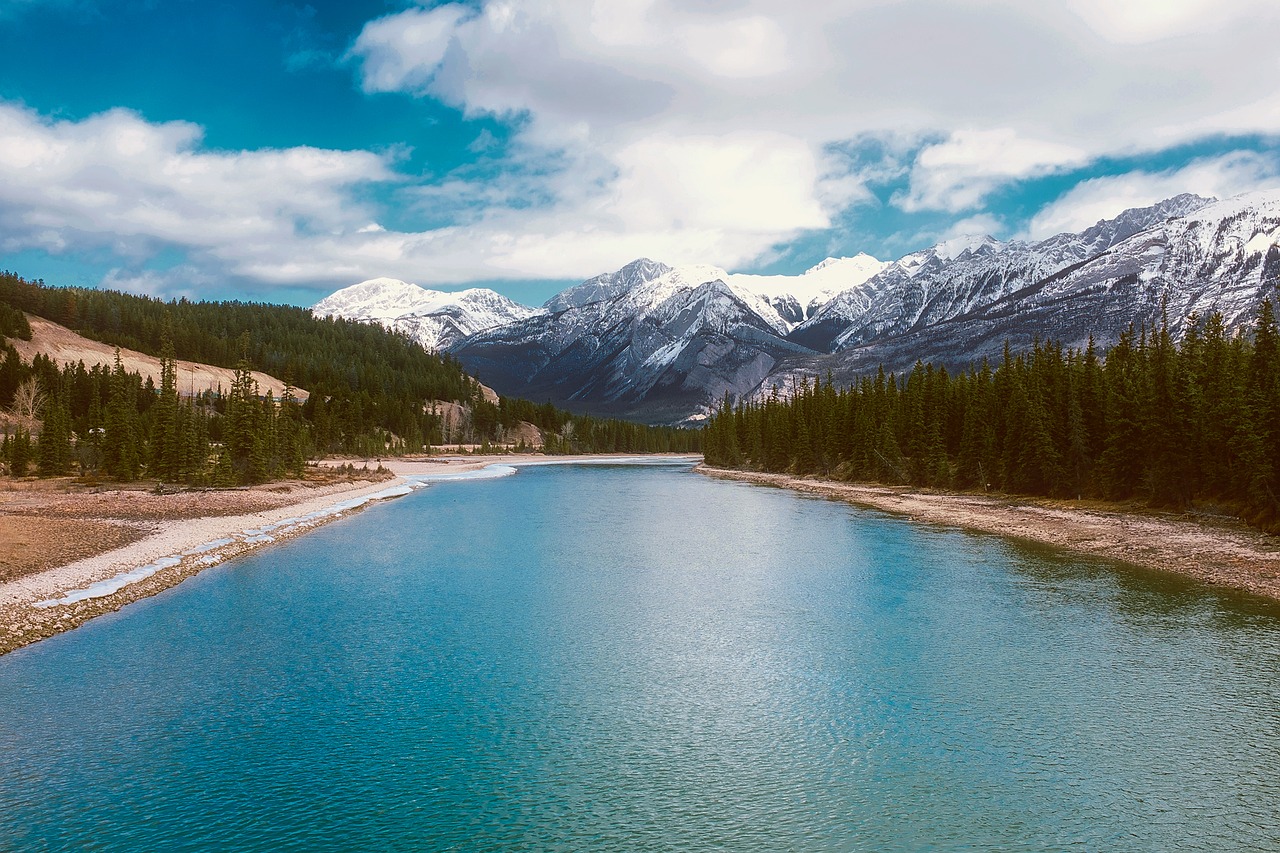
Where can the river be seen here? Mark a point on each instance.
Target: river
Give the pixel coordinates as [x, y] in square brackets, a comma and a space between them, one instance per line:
[640, 658]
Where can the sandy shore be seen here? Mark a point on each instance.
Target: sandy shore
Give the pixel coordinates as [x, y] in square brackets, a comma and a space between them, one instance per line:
[89, 553]
[1219, 551]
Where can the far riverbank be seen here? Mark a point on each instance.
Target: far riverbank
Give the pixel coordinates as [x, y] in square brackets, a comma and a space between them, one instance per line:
[1223, 553]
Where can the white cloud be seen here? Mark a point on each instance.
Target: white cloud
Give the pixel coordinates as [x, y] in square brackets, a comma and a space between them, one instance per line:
[1143, 21]
[402, 51]
[182, 282]
[708, 131]
[958, 173]
[979, 225]
[1103, 198]
[744, 48]
[1012, 90]
[296, 216]
[116, 180]
[758, 182]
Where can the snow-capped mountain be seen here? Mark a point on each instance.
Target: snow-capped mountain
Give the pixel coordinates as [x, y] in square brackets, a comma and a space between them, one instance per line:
[1147, 264]
[605, 287]
[962, 275]
[663, 342]
[798, 297]
[656, 347]
[435, 319]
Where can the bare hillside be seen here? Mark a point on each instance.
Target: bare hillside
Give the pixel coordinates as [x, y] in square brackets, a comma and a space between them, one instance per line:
[66, 347]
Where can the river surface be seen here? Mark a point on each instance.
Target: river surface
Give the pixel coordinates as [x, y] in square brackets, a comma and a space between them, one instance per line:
[641, 658]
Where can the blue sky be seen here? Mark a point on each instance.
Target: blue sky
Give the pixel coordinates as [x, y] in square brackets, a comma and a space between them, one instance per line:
[278, 151]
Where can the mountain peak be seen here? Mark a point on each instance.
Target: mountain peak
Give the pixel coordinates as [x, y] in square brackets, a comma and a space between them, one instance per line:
[432, 317]
[377, 297]
[607, 285]
[858, 261]
[953, 248]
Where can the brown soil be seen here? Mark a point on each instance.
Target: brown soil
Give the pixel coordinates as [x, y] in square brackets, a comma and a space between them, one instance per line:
[53, 522]
[30, 544]
[1217, 551]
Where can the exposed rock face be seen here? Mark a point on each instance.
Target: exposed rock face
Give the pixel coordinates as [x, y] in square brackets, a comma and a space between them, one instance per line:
[658, 351]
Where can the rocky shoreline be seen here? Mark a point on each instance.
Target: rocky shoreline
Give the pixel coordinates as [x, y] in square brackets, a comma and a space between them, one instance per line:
[1219, 552]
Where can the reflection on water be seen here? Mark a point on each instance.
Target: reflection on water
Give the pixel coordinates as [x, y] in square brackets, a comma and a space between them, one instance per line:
[604, 658]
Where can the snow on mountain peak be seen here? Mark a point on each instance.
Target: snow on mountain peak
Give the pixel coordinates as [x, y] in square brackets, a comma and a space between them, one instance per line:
[858, 261]
[375, 299]
[815, 285]
[951, 249]
[607, 285]
[432, 317]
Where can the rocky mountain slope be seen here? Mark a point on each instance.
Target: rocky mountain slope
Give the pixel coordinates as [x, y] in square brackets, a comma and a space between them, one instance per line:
[957, 277]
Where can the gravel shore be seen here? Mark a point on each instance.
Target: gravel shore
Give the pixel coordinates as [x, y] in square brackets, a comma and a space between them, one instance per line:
[1219, 551]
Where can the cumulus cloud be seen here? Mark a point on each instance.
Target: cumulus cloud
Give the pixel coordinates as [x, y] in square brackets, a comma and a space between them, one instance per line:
[708, 131]
[1142, 21]
[117, 181]
[959, 173]
[979, 225]
[402, 51]
[757, 182]
[991, 93]
[297, 216]
[1102, 198]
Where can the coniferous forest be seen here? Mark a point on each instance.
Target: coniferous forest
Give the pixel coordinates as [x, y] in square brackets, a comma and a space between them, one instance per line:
[371, 392]
[1172, 424]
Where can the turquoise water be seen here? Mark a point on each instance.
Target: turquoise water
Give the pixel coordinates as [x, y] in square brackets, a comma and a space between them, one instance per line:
[612, 658]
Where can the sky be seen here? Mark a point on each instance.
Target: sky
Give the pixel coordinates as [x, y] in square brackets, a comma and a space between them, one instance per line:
[275, 152]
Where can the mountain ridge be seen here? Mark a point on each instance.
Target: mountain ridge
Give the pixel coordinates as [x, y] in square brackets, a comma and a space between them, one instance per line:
[665, 343]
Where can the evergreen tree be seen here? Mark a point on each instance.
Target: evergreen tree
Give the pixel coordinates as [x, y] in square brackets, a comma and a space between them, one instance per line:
[120, 446]
[54, 448]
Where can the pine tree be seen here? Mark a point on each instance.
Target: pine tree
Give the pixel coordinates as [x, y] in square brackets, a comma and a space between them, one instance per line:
[54, 449]
[166, 450]
[120, 446]
[17, 452]
[242, 443]
[1264, 403]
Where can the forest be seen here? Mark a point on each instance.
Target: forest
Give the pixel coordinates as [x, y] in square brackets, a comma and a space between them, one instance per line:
[371, 392]
[1180, 425]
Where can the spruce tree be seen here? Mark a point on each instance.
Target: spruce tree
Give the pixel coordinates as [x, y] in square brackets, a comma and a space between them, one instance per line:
[121, 443]
[54, 449]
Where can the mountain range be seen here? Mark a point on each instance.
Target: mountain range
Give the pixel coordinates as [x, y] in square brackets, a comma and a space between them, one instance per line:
[662, 343]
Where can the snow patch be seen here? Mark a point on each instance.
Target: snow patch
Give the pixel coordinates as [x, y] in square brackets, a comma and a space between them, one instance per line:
[112, 585]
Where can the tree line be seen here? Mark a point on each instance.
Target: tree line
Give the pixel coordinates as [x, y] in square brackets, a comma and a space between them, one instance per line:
[1172, 424]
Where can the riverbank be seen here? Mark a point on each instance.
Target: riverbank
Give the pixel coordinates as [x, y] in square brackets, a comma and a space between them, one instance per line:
[70, 554]
[1221, 552]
